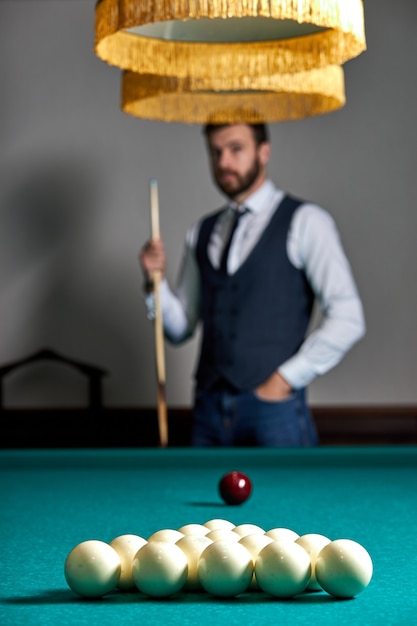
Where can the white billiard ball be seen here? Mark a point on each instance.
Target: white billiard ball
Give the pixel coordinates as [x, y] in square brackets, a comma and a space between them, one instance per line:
[282, 534]
[225, 569]
[344, 568]
[194, 529]
[166, 534]
[283, 569]
[248, 529]
[159, 569]
[92, 568]
[313, 543]
[214, 524]
[223, 534]
[193, 546]
[254, 543]
[126, 547]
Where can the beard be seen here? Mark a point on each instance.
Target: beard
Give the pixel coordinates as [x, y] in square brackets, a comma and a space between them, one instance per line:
[237, 184]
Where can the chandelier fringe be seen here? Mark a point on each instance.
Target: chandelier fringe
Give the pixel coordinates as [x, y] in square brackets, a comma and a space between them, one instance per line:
[184, 59]
[345, 15]
[341, 39]
[278, 98]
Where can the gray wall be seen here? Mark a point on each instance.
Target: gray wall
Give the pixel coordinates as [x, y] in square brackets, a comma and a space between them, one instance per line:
[74, 206]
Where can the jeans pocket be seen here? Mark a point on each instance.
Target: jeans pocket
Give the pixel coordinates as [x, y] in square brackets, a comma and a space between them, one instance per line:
[289, 398]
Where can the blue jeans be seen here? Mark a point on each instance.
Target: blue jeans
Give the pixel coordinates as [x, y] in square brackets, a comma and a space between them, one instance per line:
[240, 418]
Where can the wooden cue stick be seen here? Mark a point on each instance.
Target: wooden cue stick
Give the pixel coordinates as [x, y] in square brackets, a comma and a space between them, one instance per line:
[159, 335]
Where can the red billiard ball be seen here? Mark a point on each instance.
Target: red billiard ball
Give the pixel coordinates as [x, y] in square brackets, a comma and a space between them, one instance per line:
[235, 487]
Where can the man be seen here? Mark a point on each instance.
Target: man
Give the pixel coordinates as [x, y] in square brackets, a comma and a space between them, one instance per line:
[255, 307]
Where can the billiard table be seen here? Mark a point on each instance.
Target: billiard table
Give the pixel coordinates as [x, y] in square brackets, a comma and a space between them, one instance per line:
[52, 500]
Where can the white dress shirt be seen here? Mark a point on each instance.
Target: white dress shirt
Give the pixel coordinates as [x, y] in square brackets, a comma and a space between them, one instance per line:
[313, 245]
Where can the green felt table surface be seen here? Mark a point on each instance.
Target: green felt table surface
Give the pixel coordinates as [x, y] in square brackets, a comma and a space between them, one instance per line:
[52, 500]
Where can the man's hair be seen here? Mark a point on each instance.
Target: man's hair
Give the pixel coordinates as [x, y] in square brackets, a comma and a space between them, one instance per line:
[260, 130]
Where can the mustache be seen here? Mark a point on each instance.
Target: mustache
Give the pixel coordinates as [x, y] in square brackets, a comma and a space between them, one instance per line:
[223, 172]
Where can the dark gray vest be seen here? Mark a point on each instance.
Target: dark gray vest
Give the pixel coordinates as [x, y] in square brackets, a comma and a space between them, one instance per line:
[257, 318]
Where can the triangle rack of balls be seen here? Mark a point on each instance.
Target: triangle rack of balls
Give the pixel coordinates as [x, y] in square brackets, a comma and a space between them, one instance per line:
[222, 559]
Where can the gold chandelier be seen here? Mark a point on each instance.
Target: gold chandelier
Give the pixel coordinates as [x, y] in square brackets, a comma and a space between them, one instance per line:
[278, 98]
[193, 60]
[184, 38]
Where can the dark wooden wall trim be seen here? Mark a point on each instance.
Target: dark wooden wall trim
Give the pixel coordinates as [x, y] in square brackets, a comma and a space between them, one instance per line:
[370, 425]
[138, 427]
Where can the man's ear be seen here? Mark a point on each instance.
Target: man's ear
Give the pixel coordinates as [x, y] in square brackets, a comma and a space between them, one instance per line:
[264, 152]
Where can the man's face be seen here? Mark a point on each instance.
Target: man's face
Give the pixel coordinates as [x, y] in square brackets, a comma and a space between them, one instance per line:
[237, 162]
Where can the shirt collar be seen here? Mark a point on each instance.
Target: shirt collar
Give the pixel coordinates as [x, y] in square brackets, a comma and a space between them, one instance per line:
[260, 198]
